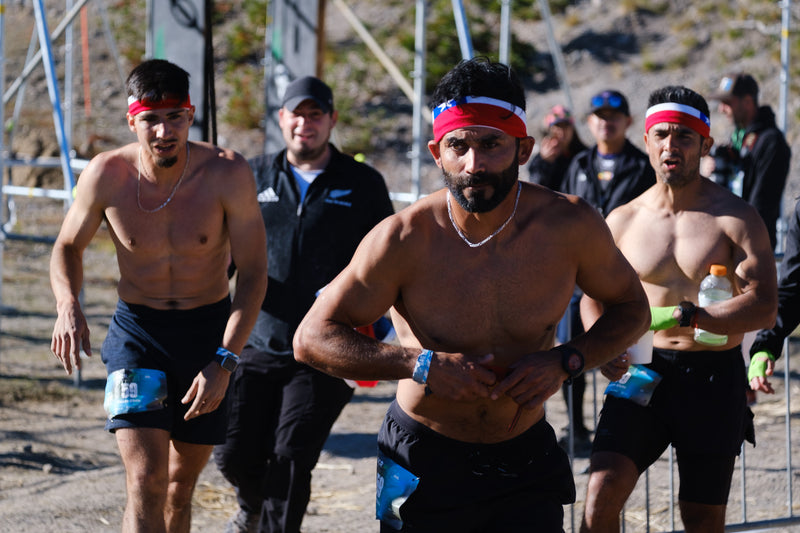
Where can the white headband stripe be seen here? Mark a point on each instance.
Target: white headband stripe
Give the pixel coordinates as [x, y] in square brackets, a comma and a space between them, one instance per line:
[681, 108]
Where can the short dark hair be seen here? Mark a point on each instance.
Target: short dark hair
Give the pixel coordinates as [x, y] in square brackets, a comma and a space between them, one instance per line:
[157, 80]
[679, 95]
[480, 76]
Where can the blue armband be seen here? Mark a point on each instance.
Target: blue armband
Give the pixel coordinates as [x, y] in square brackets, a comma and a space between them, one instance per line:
[422, 367]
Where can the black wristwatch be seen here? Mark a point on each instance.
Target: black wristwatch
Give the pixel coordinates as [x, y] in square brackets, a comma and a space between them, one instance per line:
[226, 359]
[688, 312]
[571, 361]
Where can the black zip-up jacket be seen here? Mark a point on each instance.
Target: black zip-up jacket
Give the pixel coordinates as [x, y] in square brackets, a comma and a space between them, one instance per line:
[765, 161]
[632, 176]
[788, 318]
[308, 244]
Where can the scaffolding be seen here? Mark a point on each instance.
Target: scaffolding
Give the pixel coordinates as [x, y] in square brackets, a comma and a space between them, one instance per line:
[61, 113]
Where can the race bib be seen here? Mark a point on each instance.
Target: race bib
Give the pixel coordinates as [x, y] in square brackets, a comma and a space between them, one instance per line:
[135, 390]
[637, 385]
[394, 485]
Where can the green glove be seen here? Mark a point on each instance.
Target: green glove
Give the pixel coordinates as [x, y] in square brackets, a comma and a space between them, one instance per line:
[661, 318]
[758, 365]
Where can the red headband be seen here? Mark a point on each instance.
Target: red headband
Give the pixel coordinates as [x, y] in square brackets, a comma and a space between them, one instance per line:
[478, 111]
[678, 114]
[137, 106]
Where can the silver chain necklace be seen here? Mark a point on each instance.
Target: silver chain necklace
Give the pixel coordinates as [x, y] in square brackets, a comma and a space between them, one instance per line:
[174, 189]
[490, 237]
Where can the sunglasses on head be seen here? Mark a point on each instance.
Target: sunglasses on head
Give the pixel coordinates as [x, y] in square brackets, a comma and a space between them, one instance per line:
[607, 100]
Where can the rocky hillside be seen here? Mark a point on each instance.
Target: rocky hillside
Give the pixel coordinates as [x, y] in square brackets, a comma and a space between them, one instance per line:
[631, 45]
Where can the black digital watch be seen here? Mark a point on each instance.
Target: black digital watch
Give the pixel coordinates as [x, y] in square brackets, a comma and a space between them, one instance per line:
[572, 361]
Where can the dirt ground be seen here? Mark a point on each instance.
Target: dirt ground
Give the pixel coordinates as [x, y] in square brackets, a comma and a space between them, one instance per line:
[59, 471]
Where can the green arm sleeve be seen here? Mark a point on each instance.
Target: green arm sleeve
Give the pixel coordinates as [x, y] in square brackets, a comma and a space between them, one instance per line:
[758, 364]
[662, 318]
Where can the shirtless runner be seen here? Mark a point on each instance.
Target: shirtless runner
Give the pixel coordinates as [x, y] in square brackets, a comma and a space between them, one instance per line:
[178, 212]
[672, 234]
[477, 277]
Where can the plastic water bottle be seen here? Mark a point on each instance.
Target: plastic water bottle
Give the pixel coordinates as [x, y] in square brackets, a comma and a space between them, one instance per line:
[715, 287]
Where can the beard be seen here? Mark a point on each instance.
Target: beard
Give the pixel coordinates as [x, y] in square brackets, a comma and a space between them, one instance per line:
[166, 162]
[501, 183]
[310, 153]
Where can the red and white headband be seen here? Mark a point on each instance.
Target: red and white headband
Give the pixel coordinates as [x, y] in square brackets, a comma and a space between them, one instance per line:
[478, 111]
[137, 106]
[678, 114]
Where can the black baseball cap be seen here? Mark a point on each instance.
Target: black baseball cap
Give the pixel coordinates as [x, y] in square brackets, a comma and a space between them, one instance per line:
[609, 99]
[308, 88]
[736, 84]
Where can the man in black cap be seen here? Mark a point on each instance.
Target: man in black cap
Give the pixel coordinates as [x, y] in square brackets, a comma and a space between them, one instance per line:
[611, 173]
[317, 204]
[758, 148]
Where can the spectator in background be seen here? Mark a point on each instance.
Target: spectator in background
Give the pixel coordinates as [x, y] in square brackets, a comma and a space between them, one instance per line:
[317, 205]
[611, 173]
[768, 345]
[758, 149]
[559, 145]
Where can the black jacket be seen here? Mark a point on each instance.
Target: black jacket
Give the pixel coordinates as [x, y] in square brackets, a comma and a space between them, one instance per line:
[308, 244]
[765, 161]
[788, 319]
[632, 177]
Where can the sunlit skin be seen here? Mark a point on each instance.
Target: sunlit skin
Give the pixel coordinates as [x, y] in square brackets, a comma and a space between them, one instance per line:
[675, 152]
[473, 169]
[160, 132]
[608, 129]
[306, 131]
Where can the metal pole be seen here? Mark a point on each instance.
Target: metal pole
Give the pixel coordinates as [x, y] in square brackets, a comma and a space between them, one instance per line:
[787, 391]
[462, 27]
[2, 138]
[52, 89]
[112, 43]
[69, 64]
[418, 144]
[786, 16]
[505, 31]
[555, 49]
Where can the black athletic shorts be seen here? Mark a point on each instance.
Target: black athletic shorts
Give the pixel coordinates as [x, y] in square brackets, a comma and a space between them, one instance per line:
[699, 407]
[519, 485]
[178, 342]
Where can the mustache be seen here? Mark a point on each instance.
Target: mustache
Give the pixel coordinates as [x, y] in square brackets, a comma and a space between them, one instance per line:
[479, 178]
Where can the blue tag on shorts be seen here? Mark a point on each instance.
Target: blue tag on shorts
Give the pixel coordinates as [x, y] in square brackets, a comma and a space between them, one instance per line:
[637, 385]
[135, 390]
[394, 485]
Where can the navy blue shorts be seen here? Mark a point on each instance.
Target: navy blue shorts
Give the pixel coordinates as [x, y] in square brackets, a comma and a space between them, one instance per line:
[512, 486]
[178, 342]
[700, 407]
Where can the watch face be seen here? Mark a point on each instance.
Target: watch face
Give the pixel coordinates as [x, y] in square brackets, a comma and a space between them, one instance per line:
[574, 362]
[229, 364]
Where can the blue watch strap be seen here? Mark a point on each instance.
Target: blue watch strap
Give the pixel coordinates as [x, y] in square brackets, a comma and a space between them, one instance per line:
[422, 367]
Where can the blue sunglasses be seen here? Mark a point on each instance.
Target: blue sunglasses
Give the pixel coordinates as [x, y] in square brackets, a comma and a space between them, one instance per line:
[607, 100]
